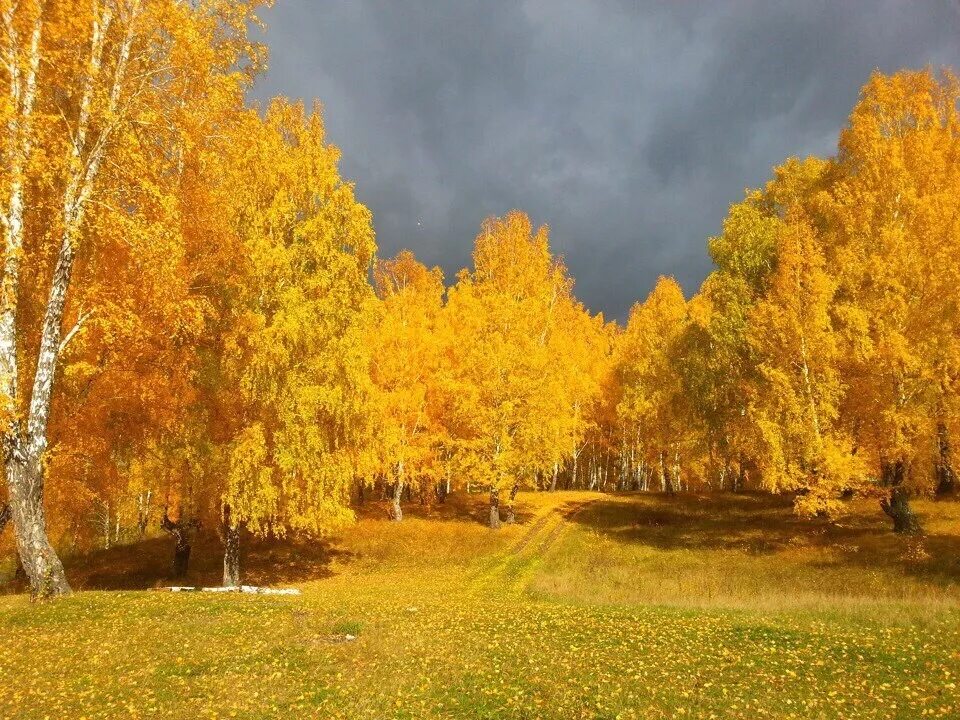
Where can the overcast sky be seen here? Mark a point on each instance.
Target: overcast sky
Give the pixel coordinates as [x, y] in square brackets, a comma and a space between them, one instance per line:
[628, 127]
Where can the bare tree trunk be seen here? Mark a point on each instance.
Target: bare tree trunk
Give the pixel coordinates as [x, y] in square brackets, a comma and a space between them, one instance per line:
[897, 505]
[22, 459]
[511, 513]
[106, 526]
[24, 454]
[40, 562]
[666, 484]
[553, 481]
[396, 513]
[946, 477]
[231, 549]
[102, 521]
[143, 512]
[677, 477]
[494, 507]
[5, 513]
[606, 473]
[182, 533]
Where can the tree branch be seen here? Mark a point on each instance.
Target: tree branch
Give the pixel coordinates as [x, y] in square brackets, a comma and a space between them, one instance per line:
[74, 330]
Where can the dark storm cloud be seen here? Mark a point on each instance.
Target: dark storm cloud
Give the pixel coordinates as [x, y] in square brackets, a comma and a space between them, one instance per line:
[628, 127]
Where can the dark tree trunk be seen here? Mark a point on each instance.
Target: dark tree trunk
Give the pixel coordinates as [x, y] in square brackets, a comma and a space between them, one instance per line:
[740, 479]
[441, 492]
[181, 559]
[946, 477]
[40, 562]
[396, 513]
[231, 549]
[360, 494]
[182, 533]
[142, 523]
[666, 482]
[5, 514]
[511, 513]
[494, 507]
[897, 504]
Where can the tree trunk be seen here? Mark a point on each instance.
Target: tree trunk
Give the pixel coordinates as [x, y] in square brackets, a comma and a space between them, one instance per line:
[946, 477]
[24, 453]
[666, 484]
[396, 513]
[231, 549]
[897, 505]
[511, 513]
[6, 512]
[677, 477]
[740, 479]
[106, 526]
[494, 507]
[181, 558]
[182, 533]
[40, 562]
[553, 481]
[143, 512]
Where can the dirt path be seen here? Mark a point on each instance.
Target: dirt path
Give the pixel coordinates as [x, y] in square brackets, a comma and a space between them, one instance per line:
[511, 570]
[571, 512]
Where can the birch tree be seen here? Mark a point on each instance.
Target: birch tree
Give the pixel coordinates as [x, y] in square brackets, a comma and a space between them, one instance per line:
[92, 87]
[293, 382]
[499, 319]
[405, 358]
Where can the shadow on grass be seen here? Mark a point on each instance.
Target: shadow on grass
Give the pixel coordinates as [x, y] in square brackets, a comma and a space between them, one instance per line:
[148, 564]
[267, 562]
[761, 524]
[459, 507]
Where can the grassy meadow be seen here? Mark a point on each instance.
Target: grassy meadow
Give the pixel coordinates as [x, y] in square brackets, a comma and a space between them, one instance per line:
[591, 606]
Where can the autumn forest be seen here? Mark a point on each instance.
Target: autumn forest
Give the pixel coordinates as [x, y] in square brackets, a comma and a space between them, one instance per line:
[197, 328]
[198, 336]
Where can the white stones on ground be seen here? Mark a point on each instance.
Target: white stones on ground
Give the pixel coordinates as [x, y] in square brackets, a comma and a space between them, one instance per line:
[253, 589]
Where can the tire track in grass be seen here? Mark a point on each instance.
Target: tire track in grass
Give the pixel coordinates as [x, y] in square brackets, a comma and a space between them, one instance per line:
[490, 573]
[532, 561]
[532, 532]
[509, 572]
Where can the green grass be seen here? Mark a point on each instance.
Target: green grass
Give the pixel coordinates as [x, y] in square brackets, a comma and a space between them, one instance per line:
[632, 607]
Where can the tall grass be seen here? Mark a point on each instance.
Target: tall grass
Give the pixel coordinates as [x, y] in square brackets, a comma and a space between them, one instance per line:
[751, 552]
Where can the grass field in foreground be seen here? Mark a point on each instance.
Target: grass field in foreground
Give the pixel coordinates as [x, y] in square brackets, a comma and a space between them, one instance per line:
[593, 606]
